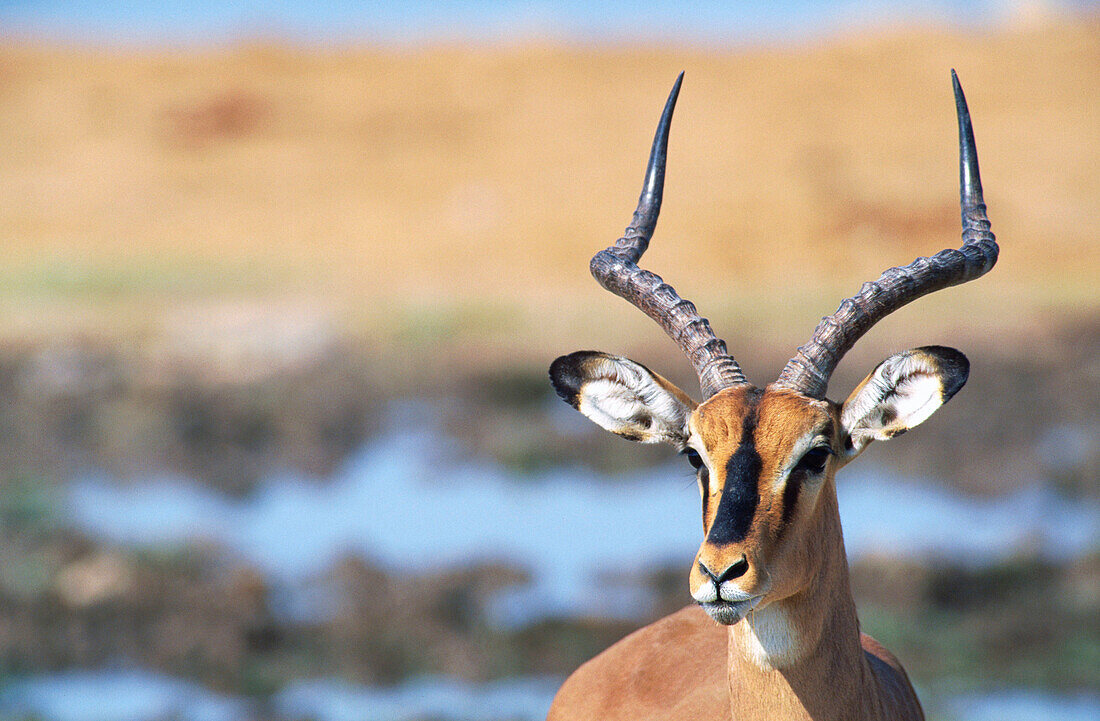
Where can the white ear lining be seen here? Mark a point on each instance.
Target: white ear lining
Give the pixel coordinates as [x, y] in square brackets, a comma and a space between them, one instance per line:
[901, 393]
[626, 398]
[922, 393]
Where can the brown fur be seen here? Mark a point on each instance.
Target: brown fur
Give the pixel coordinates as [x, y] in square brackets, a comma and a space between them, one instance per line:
[672, 669]
[675, 669]
[817, 665]
[782, 417]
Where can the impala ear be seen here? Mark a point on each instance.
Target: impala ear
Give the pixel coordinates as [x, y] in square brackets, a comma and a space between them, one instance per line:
[623, 396]
[901, 392]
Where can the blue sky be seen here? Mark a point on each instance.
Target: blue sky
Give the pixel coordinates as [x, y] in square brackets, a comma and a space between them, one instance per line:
[412, 21]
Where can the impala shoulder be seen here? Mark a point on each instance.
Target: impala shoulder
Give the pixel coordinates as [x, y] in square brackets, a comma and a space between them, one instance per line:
[897, 691]
[670, 667]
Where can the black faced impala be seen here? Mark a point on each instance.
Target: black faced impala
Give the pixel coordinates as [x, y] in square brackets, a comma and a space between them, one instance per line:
[771, 568]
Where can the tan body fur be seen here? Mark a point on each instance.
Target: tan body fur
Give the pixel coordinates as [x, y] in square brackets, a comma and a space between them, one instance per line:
[771, 568]
[675, 669]
[799, 653]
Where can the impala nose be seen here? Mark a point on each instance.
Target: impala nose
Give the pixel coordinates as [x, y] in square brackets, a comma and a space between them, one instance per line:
[734, 570]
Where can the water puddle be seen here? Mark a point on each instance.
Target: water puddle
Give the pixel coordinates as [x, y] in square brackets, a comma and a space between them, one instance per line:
[116, 696]
[1024, 705]
[146, 696]
[417, 502]
[523, 699]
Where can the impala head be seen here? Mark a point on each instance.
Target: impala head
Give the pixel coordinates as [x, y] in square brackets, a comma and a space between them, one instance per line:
[766, 458]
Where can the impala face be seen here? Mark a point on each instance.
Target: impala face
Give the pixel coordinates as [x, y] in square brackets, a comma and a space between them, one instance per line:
[766, 459]
[761, 459]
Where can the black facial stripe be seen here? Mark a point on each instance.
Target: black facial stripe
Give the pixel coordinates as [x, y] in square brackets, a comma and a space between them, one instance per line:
[740, 496]
[704, 481]
[790, 495]
[794, 480]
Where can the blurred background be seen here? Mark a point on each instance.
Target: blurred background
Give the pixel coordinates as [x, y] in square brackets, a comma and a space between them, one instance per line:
[281, 282]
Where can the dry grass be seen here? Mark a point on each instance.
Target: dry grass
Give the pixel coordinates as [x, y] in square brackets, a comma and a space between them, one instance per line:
[445, 193]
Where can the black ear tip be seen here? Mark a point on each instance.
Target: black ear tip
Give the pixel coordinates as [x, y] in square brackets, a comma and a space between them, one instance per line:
[954, 368]
[567, 376]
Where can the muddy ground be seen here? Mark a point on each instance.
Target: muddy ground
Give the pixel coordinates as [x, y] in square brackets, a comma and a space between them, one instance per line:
[67, 600]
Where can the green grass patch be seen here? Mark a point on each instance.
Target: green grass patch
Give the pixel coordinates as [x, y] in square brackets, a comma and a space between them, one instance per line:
[76, 279]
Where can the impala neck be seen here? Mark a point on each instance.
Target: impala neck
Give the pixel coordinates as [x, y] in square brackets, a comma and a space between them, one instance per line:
[800, 657]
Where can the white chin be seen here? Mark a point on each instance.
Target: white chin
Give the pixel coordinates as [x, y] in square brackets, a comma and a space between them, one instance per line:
[726, 613]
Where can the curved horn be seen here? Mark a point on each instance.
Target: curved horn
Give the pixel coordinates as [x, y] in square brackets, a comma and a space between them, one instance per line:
[809, 370]
[616, 269]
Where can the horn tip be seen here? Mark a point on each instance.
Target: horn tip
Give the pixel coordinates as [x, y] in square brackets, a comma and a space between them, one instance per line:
[961, 106]
[970, 184]
[676, 88]
[957, 87]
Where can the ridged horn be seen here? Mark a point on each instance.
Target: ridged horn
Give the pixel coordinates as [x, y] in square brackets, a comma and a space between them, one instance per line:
[809, 370]
[616, 269]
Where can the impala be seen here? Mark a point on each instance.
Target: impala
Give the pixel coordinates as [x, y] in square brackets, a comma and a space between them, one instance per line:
[771, 570]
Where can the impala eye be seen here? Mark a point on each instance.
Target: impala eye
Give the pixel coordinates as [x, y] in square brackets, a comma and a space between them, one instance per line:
[693, 457]
[814, 460]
